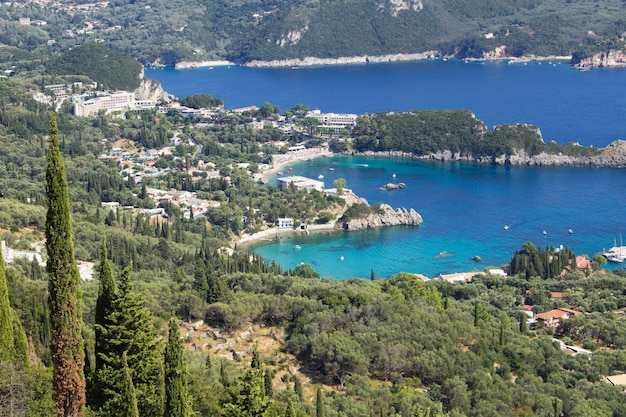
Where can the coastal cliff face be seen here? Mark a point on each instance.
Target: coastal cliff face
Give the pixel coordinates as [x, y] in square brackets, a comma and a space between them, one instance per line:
[384, 216]
[611, 58]
[613, 156]
[150, 89]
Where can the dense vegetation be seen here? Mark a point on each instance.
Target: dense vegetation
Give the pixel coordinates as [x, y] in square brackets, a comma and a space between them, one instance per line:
[358, 347]
[166, 32]
[421, 133]
[112, 70]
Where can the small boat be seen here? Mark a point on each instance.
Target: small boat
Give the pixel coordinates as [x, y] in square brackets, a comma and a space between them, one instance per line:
[570, 231]
[297, 247]
[506, 227]
[341, 258]
[544, 232]
[393, 175]
[332, 169]
[319, 177]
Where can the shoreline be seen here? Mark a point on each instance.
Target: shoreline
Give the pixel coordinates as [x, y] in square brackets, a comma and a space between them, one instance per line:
[201, 64]
[363, 59]
[280, 161]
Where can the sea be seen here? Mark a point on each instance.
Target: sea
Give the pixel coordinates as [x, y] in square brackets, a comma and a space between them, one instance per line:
[465, 206]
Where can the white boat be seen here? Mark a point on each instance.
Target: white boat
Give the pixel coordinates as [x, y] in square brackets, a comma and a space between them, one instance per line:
[544, 232]
[393, 175]
[615, 253]
[319, 177]
[506, 227]
[297, 247]
[570, 231]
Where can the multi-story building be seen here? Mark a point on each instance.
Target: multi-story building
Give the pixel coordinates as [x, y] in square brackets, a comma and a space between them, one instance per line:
[333, 122]
[120, 100]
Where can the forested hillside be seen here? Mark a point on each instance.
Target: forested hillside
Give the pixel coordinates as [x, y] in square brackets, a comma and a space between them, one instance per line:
[166, 32]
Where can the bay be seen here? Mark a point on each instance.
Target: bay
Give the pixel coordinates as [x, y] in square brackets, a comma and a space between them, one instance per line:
[465, 206]
[569, 106]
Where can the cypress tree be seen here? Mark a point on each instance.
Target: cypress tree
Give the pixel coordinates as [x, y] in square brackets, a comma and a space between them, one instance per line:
[129, 399]
[176, 396]
[7, 344]
[130, 329]
[20, 343]
[104, 307]
[66, 322]
[319, 403]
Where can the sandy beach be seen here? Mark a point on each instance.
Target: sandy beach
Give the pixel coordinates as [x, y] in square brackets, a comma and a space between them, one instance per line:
[282, 160]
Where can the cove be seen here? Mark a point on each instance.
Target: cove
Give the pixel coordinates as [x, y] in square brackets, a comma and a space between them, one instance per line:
[465, 207]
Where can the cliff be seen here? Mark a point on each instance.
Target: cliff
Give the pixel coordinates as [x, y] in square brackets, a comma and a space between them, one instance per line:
[612, 58]
[151, 90]
[614, 156]
[383, 215]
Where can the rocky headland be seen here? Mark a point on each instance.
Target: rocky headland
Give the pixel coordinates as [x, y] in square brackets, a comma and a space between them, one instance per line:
[613, 156]
[612, 58]
[383, 215]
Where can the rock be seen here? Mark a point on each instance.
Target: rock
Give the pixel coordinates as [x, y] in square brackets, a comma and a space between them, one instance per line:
[477, 258]
[392, 186]
[384, 215]
[612, 58]
[150, 90]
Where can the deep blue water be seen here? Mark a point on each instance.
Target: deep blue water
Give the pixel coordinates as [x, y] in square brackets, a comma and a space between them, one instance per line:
[464, 206]
[569, 106]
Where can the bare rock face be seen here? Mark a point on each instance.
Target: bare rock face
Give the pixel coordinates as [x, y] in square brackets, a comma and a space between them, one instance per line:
[150, 90]
[385, 215]
[613, 58]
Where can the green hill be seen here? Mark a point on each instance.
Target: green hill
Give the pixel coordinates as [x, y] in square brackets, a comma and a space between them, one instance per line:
[156, 31]
[112, 70]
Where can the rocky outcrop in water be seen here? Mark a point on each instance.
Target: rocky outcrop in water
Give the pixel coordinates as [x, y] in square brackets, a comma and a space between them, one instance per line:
[384, 215]
[392, 186]
[612, 58]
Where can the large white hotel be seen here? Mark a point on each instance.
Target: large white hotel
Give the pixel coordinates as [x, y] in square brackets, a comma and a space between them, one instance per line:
[118, 101]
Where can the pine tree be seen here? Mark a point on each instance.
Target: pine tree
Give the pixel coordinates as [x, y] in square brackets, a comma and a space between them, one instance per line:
[66, 322]
[176, 395]
[130, 330]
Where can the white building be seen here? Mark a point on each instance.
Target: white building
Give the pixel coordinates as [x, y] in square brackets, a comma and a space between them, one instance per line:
[285, 223]
[333, 122]
[118, 101]
[301, 183]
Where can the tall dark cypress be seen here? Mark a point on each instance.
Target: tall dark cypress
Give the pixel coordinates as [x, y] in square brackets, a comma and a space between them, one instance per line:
[176, 396]
[66, 322]
[7, 347]
[130, 330]
[107, 293]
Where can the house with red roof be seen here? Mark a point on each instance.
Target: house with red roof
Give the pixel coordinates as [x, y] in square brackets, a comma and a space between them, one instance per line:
[553, 318]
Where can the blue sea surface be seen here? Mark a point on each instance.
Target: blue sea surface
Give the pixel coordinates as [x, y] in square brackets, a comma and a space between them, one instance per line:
[464, 206]
[568, 106]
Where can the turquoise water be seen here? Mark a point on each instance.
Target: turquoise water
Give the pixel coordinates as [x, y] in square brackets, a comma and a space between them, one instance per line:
[465, 207]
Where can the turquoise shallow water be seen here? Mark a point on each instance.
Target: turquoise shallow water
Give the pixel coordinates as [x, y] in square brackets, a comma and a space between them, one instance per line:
[465, 208]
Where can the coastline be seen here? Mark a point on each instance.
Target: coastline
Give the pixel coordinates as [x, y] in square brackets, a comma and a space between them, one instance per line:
[201, 64]
[363, 59]
[282, 160]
